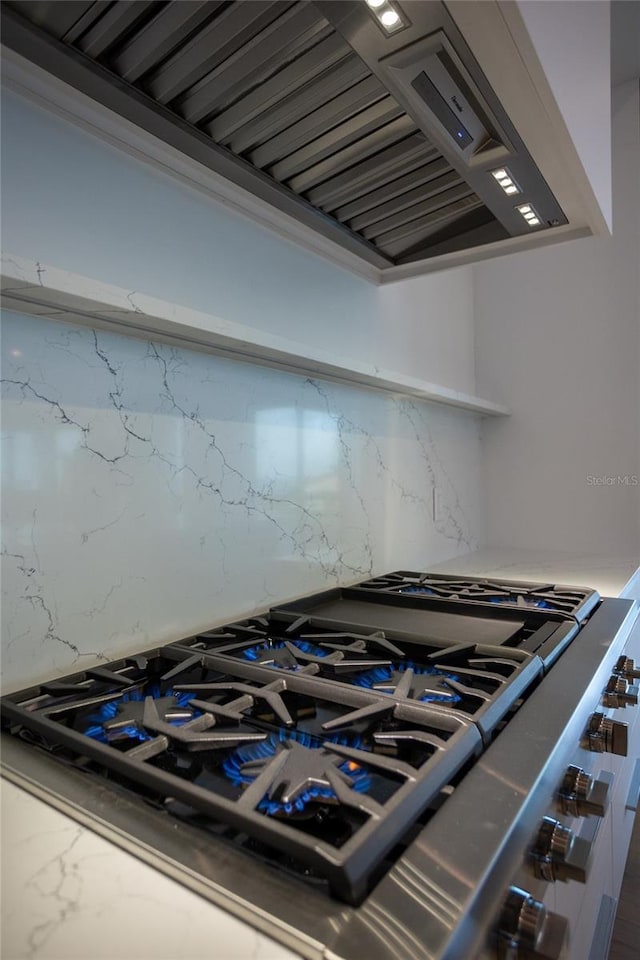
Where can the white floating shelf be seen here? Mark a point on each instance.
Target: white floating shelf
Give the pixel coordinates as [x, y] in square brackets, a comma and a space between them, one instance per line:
[31, 287]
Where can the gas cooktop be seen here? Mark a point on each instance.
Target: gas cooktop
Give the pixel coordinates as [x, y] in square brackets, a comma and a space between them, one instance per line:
[326, 741]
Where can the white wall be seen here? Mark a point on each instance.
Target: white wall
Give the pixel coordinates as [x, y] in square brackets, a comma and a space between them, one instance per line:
[75, 202]
[557, 341]
[432, 318]
[571, 39]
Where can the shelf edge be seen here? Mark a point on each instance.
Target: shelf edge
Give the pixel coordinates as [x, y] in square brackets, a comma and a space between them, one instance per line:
[28, 286]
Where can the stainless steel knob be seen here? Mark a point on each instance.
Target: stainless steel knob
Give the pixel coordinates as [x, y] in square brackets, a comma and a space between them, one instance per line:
[619, 693]
[625, 667]
[526, 931]
[558, 854]
[581, 796]
[605, 735]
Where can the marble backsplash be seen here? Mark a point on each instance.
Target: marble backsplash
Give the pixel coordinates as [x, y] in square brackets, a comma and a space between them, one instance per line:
[149, 491]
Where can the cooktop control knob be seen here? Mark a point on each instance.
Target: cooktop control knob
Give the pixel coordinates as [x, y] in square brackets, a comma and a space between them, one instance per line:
[526, 931]
[619, 693]
[625, 667]
[581, 796]
[558, 854]
[606, 736]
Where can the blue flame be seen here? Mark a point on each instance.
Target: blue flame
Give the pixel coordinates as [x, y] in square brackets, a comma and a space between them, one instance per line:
[373, 676]
[529, 602]
[253, 653]
[108, 711]
[263, 750]
[385, 675]
[421, 590]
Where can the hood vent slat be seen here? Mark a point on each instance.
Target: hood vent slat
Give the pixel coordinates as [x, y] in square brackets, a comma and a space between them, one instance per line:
[117, 20]
[409, 154]
[85, 18]
[342, 108]
[170, 28]
[351, 133]
[408, 236]
[349, 156]
[374, 199]
[419, 196]
[289, 95]
[211, 46]
[428, 204]
[280, 42]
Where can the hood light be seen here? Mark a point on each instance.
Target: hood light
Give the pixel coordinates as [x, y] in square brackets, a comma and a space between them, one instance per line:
[389, 18]
[388, 15]
[530, 214]
[506, 181]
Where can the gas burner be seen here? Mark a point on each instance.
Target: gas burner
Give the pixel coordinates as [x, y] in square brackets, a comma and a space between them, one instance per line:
[413, 681]
[302, 768]
[330, 659]
[123, 718]
[511, 598]
[283, 654]
[525, 601]
[423, 591]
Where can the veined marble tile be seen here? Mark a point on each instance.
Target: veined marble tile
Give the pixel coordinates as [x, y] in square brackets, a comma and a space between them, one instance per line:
[149, 492]
[68, 894]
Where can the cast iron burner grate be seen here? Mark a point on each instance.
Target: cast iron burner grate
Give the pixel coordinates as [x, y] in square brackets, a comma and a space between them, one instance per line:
[515, 595]
[279, 653]
[480, 681]
[330, 775]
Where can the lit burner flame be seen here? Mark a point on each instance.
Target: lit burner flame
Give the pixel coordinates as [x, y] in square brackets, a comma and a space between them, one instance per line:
[275, 654]
[384, 679]
[519, 600]
[105, 728]
[244, 765]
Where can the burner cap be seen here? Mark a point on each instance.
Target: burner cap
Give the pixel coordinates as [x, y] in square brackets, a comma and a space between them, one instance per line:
[425, 685]
[301, 779]
[122, 719]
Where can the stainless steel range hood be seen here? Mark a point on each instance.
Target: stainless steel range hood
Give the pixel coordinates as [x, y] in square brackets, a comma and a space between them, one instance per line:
[384, 144]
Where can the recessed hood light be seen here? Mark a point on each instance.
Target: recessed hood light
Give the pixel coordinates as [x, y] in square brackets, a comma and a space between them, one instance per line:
[388, 15]
[530, 214]
[389, 18]
[506, 181]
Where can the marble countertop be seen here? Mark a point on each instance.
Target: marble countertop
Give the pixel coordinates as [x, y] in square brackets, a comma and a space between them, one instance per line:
[610, 576]
[68, 893]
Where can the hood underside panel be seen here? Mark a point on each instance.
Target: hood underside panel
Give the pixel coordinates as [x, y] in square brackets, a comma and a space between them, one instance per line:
[273, 88]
